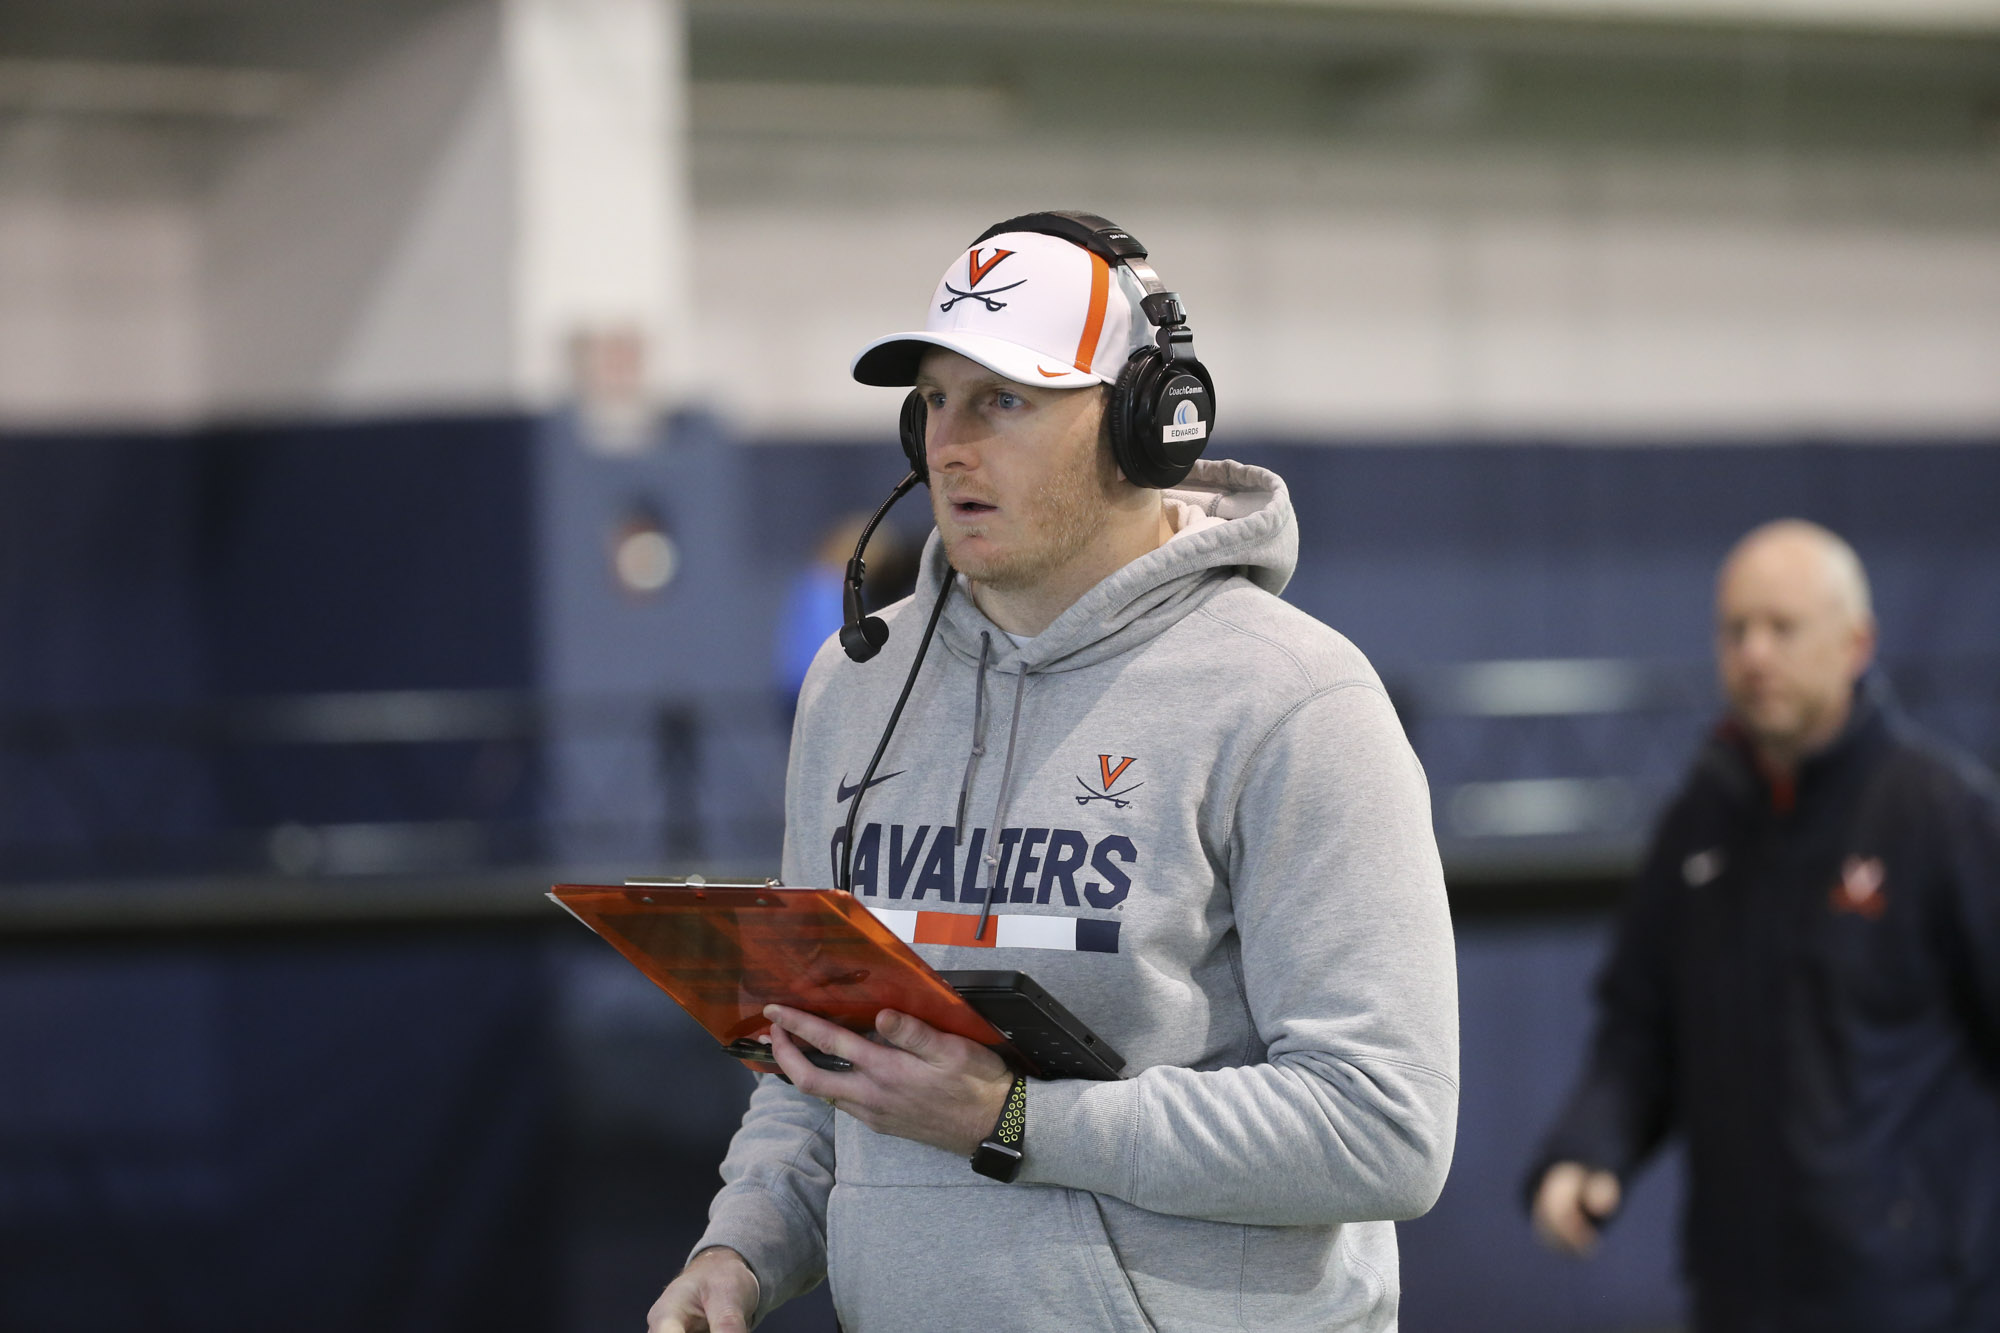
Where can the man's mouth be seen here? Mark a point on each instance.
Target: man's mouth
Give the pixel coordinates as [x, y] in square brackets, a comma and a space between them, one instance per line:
[969, 510]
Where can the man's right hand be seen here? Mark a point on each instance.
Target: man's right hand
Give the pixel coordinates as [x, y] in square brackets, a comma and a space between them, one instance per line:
[1572, 1203]
[715, 1293]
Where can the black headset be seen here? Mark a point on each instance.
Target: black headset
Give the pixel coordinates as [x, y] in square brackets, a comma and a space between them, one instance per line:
[1162, 405]
[1160, 413]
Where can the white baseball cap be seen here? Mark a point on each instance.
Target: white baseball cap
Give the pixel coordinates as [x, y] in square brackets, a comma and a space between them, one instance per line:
[1034, 308]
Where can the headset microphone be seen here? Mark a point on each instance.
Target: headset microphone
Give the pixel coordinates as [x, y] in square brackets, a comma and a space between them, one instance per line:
[863, 635]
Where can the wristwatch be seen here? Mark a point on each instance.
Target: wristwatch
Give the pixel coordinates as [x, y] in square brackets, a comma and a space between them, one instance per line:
[999, 1155]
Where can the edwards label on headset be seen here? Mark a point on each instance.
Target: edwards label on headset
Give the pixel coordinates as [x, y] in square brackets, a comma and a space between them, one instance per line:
[1190, 413]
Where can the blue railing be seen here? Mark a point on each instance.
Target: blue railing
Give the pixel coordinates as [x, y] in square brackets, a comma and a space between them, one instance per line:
[1551, 766]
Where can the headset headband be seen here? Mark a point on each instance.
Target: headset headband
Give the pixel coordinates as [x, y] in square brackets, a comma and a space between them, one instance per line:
[1116, 246]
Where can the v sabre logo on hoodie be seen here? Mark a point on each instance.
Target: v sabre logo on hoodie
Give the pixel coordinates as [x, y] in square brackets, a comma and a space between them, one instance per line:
[1109, 773]
[1037, 867]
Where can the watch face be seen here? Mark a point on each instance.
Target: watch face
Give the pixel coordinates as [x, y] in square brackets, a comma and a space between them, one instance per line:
[996, 1160]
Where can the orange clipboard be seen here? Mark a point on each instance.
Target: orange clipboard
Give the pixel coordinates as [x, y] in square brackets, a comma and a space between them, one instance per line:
[724, 950]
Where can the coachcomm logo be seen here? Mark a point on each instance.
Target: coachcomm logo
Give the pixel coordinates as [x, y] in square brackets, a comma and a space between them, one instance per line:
[1187, 425]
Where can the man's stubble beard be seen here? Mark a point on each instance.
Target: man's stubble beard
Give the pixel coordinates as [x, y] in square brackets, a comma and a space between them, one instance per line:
[1064, 514]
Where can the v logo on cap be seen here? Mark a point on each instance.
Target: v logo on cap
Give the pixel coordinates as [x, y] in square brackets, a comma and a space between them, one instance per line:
[977, 268]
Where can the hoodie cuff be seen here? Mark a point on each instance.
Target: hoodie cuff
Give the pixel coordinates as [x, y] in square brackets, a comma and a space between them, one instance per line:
[772, 1242]
[755, 1312]
[1079, 1135]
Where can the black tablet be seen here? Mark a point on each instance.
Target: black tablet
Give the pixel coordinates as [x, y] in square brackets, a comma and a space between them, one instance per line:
[1045, 1037]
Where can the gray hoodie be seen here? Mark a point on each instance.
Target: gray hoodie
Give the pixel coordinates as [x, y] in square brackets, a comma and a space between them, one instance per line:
[1214, 846]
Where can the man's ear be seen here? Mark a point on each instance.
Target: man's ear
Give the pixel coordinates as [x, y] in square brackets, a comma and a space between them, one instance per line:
[1863, 647]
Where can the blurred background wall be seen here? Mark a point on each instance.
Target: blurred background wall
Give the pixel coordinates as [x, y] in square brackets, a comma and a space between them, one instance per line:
[419, 422]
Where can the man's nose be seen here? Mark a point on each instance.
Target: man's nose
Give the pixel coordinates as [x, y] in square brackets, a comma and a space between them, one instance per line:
[948, 439]
[1755, 648]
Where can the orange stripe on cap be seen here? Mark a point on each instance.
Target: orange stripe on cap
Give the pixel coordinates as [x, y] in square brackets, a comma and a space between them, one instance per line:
[1093, 320]
[955, 928]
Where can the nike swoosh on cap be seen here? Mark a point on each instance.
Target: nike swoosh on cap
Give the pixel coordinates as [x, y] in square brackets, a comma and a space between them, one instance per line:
[847, 793]
[1052, 374]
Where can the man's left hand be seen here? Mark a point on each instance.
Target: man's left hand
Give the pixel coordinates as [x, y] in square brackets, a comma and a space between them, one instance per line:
[916, 1083]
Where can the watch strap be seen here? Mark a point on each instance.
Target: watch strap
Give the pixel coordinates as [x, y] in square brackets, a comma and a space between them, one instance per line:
[999, 1155]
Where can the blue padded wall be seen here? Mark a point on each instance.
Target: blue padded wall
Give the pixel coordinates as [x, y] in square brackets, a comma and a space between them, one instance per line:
[309, 1135]
[262, 1132]
[166, 574]
[382, 555]
[1427, 553]
[1453, 553]
[390, 555]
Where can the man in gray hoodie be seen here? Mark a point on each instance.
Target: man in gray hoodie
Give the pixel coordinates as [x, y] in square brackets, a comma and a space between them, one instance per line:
[1126, 768]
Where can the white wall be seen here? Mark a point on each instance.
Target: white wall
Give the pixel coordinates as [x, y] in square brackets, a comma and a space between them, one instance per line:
[602, 196]
[429, 230]
[98, 288]
[358, 259]
[1348, 295]
[433, 234]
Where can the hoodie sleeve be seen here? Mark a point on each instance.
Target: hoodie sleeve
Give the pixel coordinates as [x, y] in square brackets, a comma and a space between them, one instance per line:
[1348, 969]
[1970, 841]
[775, 1181]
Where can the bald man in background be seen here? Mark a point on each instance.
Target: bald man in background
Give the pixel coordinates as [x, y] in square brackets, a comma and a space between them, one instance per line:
[1805, 985]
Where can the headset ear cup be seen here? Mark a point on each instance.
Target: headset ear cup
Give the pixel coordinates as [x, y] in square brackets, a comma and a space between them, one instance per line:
[1142, 408]
[911, 428]
[1124, 432]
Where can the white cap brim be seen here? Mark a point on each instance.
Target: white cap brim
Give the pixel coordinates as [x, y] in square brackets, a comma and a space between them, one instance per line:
[892, 361]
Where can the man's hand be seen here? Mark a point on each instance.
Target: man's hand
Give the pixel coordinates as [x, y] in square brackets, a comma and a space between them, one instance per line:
[915, 1083]
[715, 1293]
[1572, 1203]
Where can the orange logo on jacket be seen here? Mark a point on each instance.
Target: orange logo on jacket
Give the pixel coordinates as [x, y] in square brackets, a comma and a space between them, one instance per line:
[1860, 888]
[1109, 773]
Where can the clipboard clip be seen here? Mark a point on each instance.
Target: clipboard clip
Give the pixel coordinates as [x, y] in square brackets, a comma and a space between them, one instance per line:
[702, 882]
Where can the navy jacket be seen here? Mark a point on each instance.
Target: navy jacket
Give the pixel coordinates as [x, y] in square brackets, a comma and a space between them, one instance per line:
[1805, 984]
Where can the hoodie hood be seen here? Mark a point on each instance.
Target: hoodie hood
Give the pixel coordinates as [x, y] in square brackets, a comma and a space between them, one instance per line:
[1257, 536]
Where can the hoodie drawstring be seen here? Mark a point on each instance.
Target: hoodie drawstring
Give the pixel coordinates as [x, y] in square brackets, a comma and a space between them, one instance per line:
[978, 738]
[1000, 806]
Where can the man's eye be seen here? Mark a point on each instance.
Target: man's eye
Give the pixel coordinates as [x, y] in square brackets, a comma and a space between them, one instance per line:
[1003, 399]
